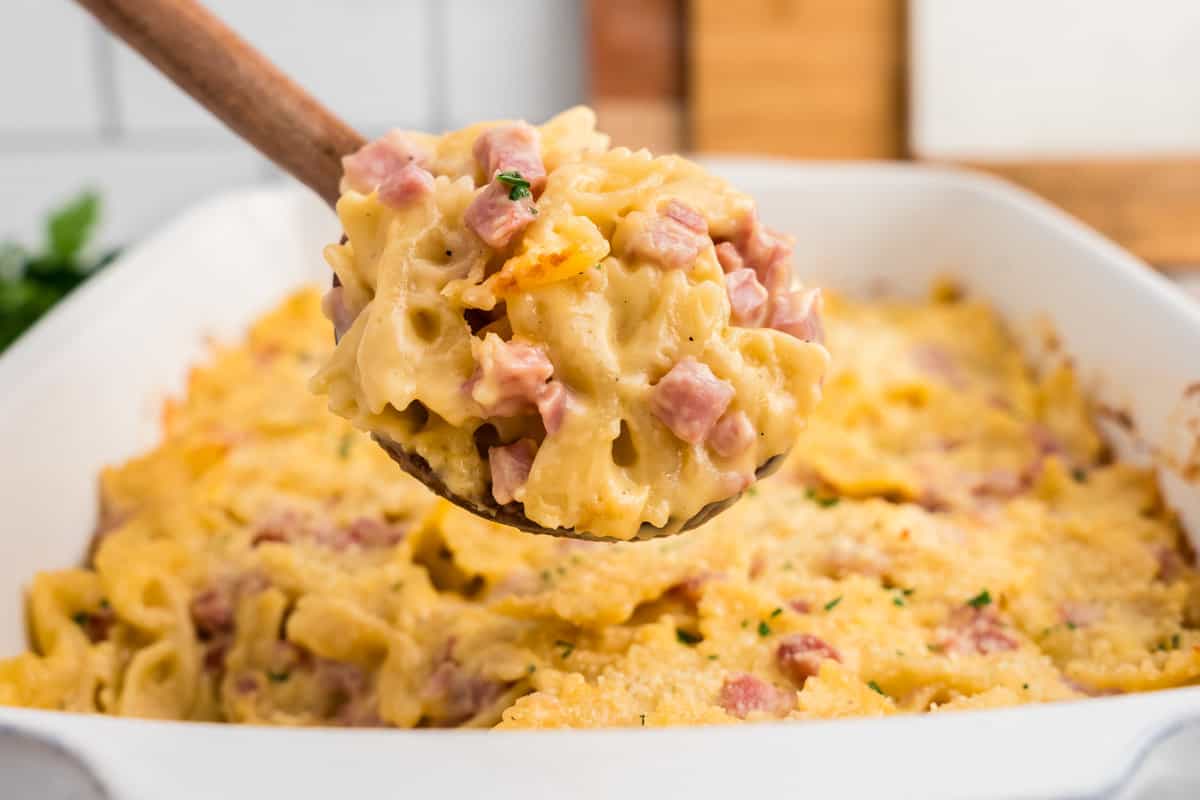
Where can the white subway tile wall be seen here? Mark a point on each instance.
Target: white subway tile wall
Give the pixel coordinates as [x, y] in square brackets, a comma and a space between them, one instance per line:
[81, 109]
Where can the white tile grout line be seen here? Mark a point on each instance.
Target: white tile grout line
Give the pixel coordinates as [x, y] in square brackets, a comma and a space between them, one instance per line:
[105, 78]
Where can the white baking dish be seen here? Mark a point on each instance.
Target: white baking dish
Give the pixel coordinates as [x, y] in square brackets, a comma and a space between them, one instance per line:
[84, 389]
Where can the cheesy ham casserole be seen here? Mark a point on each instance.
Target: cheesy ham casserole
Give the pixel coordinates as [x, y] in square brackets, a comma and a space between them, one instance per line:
[948, 534]
[597, 338]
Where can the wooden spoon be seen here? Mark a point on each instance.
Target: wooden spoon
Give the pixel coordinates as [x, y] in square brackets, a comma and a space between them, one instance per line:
[222, 72]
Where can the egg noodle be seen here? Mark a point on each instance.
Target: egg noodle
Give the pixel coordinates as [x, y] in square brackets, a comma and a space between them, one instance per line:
[948, 534]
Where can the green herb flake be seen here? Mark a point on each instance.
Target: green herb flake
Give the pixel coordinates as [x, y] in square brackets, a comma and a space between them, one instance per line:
[518, 186]
[764, 629]
[822, 500]
[1071, 625]
[1175, 641]
[832, 604]
[344, 446]
[776, 613]
[898, 601]
[980, 600]
[752, 491]
[1079, 474]
[532, 668]
[745, 623]
[81, 617]
[567, 648]
[1024, 685]
[104, 603]
[934, 647]
[599, 266]
[713, 657]
[875, 687]
[278, 677]
[907, 592]
[687, 637]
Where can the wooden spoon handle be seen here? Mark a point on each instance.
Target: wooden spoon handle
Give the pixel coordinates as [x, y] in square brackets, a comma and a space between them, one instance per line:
[236, 83]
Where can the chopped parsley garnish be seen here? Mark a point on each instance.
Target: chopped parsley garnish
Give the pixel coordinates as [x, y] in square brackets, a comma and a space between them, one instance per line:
[532, 668]
[1071, 625]
[713, 657]
[599, 266]
[345, 445]
[518, 187]
[898, 601]
[1175, 641]
[875, 687]
[687, 637]
[546, 576]
[1024, 685]
[567, 648]
[832, 604]
[81, 617]
[1079, 474]
[278, 677]
[643, 716]
[745, 623]
[776, 612]
[104, 602]
[752, 491]
[980, 600]
[821, 500]
[763, 628]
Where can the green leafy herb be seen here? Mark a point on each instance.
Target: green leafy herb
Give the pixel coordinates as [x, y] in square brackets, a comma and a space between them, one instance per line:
[1071, 625]
[832, 604]
[1024, 685]
[104, 603]
[518, 186]
[567, 648]
[32, 282]
[763, 628]
[980, 600]
[875, 687]
[81, 618]
[898, 601]
[776, 613]
[278, 677]
[1079, 474]
[822, 500]
[532, 668]
[752, 491]
[344, 446]
[1175, 640]
[599, 266]
[713, 657]
[687, 637]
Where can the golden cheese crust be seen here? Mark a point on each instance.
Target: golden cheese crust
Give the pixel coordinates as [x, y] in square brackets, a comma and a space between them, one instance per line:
[583, 301]
[948, 535]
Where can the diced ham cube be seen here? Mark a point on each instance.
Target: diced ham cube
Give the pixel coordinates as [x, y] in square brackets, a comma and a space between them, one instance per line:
[333, 304]
[732, 434]
[453, 695]
[729, 258]
[673, 238]
[1078, 614]
[765, 251]
[1172, 564]
[747, 298]
[553, 400]
[405, 185]
[96, 624]
[212, 610]
[690, 399]
[511, 377]
[510, 466]
[800, 606]
[685, 216]
[799, 656]
[511, 148]
[376, 161]
[799, 314]
[495, 218]
[745, 694]
[976, 630]
[364, 532]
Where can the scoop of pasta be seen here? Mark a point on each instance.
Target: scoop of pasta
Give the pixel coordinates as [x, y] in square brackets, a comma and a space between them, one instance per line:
[593, 339]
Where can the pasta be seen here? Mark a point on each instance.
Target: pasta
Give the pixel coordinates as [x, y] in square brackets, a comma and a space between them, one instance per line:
[948, 534]
[572, 358]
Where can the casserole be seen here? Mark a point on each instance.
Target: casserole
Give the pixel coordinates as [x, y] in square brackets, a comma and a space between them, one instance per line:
[861, 228]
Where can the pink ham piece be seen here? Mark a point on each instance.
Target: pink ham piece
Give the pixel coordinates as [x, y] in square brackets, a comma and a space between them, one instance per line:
[376, 161]
[405, 185]
[732, 434]
[511, 148]
[96, 624]
[511, 377]
[937, 361]
[765, 251]
[976, 630]
[364, 532]
[495, 218]
[799, 656]
[729, 258]
[453, 695]
[799, 314]
[333, 305]
[690, 399]
[510, 466]
[745, 694]
[553, 402]
[212, 610]
[674, 238]
[747, 298]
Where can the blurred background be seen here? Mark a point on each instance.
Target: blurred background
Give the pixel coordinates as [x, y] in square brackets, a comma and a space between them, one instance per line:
[1091, 104]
